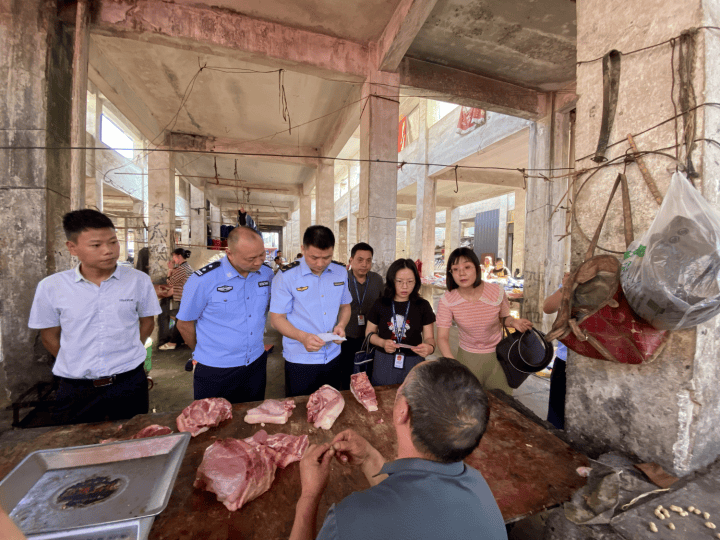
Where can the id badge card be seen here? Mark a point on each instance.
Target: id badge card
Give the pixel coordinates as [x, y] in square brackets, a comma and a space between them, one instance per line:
[361, 320]
[399, 361]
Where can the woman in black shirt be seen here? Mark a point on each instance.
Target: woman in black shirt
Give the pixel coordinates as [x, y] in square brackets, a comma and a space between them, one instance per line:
[404, 325]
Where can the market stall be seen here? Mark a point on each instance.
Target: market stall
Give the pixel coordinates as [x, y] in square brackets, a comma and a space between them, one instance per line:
[527, 468]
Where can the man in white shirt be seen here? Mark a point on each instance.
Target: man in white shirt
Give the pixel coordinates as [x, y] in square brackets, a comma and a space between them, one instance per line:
[94, 319]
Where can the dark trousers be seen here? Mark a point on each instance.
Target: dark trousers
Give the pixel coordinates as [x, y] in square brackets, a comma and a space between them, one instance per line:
[556, 405]
[347, 360]
[79, 401]
[304, 379]
[236, 384]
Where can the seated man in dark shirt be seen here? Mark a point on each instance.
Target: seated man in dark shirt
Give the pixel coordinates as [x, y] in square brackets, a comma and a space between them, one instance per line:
[440, 414]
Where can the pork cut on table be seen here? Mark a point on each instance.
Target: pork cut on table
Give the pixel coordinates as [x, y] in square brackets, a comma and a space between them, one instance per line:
[238, 471]
[203, 414]
[324, 406]
[363, 391]
[153, 430]
[271, 411]
[289, 448]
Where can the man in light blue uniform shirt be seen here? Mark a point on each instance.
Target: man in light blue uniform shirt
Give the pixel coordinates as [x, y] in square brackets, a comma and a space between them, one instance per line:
[94, 319]
[222, 317]
[310, 297]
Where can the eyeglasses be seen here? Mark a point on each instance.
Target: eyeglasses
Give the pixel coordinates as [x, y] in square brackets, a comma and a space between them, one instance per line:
[409, 283]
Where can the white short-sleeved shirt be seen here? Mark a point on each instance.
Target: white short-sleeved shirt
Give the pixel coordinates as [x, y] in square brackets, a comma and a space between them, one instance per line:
[100, 332]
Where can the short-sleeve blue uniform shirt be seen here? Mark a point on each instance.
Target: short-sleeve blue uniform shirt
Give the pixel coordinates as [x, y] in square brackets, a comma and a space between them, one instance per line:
[230, 313]
[311, 304]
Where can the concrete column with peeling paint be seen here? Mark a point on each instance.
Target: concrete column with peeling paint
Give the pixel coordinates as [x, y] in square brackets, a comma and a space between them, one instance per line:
[377, 208]
[665, 411]
[198, 218]
[425, 206]
[35, 106]
[325, 194]
[455, 232]
[305, 214]
[161, 222]
[215, 221]
[448, 234]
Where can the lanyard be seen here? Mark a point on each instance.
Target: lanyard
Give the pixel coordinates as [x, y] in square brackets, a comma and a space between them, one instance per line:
[357, 292]
[400, 333]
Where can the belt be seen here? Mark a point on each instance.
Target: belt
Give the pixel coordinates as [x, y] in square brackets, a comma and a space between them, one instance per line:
[104, 381]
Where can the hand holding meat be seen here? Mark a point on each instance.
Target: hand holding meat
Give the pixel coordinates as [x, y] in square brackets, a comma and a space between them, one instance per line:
[521, 325]
[424, 349]
[312, 343]
[315, 469]
[389, 346]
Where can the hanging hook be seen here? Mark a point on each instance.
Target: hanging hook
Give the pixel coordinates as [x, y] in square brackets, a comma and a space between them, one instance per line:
[457, 186]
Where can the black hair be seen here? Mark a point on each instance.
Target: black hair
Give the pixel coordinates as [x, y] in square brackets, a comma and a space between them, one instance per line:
[449, 409]
[78, 221]
[276, 258]
[319, 236]
[395, 267]
[298, 256]
[457, 254]
[362, 246]
[184, 253]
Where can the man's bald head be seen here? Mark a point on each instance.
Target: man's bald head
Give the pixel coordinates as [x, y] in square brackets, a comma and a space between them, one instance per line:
[246, 251]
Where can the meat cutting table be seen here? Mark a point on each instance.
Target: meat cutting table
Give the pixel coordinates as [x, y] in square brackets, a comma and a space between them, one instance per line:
[527, 468]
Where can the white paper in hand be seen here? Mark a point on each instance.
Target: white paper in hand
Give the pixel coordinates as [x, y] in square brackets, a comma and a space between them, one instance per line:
[329, 336]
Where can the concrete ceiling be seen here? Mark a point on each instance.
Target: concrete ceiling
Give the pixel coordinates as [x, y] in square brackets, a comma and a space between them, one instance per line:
[145, 53]
[531, 44]
[361, 22]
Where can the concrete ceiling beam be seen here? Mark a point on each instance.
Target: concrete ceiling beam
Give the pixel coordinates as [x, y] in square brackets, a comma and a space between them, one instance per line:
[446, 202]
[348, 120]
[399, 33]
[265, 187]
[257, 150]
[405, 214]
[477, 176]
[213, 30]
[456, 86]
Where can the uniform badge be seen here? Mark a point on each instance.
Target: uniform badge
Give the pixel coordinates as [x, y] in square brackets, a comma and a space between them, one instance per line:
[263, 284]
[338, 283]
[302, 288]
[225, 288]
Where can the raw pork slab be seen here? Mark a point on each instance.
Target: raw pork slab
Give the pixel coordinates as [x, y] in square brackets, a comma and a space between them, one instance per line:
[153, 430]
[324, 406]
[237, 471]
[363, 391]
[203, 414]
[289, 448]
[271, 411]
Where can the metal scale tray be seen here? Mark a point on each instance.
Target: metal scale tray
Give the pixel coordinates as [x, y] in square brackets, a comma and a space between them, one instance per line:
[111, 490]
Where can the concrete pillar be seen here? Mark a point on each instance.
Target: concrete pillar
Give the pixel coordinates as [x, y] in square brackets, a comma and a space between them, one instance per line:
[519, 234]
[325, 193]
[305, 214]
[98, 177]
[34, 184]
[665, 411]
[198, 218]
[425, 207]
[410, 252]
[378, 181]
[455, 231]
[138, 225]
[215, 221]
[81, 51]
[161, 223]
[352, 237]
[122, 232]
[448, 234]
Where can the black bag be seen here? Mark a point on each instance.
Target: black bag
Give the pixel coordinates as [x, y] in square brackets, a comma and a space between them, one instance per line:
[364, 357]
[521, 354]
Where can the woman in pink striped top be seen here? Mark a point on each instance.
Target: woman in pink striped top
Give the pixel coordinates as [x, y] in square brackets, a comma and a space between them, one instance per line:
[477, 307]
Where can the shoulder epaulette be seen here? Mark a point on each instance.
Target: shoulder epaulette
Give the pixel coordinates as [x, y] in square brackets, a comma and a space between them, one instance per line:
[289, 266]
[341, 264]
[207, 268]
[266, 264]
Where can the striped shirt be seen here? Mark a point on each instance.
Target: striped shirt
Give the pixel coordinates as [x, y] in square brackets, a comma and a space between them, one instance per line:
[478, 322]
[177, 279]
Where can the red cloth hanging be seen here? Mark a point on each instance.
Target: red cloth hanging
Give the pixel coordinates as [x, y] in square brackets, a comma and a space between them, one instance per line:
[402, 133]
[470, 118]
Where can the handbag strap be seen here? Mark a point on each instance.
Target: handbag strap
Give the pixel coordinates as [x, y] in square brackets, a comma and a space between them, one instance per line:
[366, 346]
